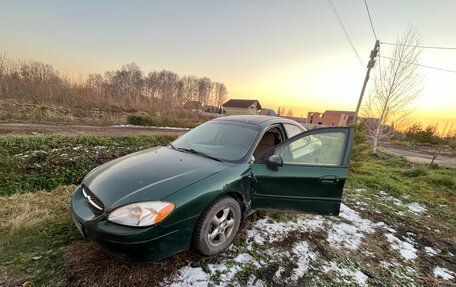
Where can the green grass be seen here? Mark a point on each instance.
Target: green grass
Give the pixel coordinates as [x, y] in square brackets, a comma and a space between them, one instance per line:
[396, 176]
[30, 163]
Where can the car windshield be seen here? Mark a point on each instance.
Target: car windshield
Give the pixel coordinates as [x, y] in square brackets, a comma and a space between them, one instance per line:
[222, 140]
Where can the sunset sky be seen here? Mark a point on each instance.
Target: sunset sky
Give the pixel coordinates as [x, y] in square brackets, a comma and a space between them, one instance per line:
[283, 53]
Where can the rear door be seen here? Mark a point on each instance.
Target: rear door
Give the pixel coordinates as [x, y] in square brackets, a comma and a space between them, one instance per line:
[306, 173]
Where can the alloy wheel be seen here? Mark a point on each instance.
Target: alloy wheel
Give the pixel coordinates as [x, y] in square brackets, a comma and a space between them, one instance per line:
[221, 226]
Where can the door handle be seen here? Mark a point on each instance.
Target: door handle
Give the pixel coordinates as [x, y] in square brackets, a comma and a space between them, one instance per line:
[329, 179]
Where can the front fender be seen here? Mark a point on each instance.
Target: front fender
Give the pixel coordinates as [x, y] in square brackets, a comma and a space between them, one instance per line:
[194, 199]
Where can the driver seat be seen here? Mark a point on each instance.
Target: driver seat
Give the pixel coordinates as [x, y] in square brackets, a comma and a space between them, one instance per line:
[266, 143]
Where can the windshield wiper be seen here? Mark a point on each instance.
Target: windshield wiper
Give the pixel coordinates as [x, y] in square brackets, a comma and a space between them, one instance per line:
[190, 150]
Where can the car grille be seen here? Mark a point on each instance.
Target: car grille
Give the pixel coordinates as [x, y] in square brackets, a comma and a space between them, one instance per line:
[95, 204]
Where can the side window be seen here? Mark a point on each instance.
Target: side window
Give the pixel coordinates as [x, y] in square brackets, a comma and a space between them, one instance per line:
[326, 148]
[292, 130]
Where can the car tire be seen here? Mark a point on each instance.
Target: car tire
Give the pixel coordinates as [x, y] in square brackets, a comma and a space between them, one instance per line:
[217, 226]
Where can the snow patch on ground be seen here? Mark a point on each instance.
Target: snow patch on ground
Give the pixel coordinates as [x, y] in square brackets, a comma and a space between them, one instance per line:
[150, 127]
[279, 272]
[416, 208]
[392, 199]
[267, 230]
[406, 274]
[431, 251]
[305, 256]
[229, 271]
[349, 235]
[226, 270]
[360, 190]
[191, 276]
[413, 207]
[354, 275]
[345, 233]
[443, 273]
[408, 252]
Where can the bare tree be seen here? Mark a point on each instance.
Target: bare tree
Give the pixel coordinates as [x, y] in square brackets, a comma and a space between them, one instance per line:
[95, 83]
[396, 85]
[3, 73]
[127, 83]
[191, 88]
[220, 92]
[281, 111]
[290, 113]
[204, 90]
[163, 91]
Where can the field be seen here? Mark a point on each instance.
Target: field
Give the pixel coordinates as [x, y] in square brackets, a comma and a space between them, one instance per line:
[397, 227]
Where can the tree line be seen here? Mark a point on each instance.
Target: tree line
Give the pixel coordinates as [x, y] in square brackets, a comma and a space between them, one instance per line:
[128, 87]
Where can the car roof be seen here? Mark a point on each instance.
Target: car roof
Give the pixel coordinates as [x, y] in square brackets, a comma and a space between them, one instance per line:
[260, 120]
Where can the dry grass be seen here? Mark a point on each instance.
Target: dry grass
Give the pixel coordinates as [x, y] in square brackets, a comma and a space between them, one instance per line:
[17, 111]
[88, 265]
[26, 210]
[33, 229]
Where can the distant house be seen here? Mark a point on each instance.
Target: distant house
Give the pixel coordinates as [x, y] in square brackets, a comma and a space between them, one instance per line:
[241, 107]
[194, 106]
[268, 112]
[331, 118]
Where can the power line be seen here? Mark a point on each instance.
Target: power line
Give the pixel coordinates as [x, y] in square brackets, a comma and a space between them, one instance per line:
[333, 10]
[370, 20]
[424, 66]
[418, 46]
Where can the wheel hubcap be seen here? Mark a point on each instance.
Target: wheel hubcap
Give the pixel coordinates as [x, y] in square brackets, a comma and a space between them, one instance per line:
[221, 226]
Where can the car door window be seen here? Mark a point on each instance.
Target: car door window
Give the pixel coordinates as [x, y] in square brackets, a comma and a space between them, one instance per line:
[318, 149]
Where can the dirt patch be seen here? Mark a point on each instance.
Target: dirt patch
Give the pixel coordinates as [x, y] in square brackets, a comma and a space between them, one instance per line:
[420, 157]
[74, 130]
[88, 265]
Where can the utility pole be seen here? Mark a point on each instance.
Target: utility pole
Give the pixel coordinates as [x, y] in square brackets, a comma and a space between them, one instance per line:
[370, 65]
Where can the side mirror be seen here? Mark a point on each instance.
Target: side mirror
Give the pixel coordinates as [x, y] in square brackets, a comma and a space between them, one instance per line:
[274, 161]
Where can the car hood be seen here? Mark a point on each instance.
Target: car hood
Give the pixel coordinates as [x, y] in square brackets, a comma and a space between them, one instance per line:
[148, 175]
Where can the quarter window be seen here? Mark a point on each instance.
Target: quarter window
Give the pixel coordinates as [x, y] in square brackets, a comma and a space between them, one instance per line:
[292, 130]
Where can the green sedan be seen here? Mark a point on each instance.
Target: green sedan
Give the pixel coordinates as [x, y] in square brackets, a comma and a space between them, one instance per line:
[196, 191]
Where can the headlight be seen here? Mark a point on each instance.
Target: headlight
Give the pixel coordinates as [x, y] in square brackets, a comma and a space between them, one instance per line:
[141, 213]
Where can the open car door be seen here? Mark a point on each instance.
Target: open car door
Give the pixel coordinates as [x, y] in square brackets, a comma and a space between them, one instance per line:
[306, 173]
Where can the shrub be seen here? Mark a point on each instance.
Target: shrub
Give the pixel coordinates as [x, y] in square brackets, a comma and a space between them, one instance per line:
[360, 148]
[139, 120]
[177, 120]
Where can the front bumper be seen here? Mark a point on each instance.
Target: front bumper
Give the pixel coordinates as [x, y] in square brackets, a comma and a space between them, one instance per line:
[138, 244]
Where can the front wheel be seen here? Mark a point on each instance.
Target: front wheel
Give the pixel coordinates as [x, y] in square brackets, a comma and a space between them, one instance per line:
[217, 226]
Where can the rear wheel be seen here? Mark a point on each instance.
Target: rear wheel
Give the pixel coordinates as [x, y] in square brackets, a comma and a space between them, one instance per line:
[217, 226]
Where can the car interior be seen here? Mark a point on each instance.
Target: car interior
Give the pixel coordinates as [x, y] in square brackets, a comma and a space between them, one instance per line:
[270, 139]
